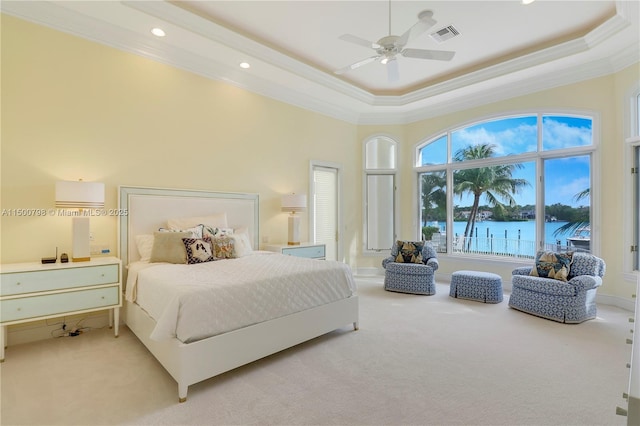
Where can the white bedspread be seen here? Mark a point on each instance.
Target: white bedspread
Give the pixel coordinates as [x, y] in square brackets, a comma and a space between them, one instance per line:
[192, 302]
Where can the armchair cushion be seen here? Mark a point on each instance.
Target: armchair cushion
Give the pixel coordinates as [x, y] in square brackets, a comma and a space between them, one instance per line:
[552, 265]
[409, 252]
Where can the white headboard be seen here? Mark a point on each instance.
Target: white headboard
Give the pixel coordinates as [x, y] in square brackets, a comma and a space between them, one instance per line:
[148, 209]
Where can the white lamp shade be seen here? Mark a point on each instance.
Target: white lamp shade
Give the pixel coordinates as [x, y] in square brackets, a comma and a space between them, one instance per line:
[79, 195]
[294, 203]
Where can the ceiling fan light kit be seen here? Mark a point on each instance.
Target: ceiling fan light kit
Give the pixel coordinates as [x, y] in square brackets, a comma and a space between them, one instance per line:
[389, 47]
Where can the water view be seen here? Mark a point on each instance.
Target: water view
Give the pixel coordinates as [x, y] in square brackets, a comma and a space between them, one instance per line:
[508, 238]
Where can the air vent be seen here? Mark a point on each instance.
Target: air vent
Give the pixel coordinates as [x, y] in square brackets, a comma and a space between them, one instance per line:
[445, 34]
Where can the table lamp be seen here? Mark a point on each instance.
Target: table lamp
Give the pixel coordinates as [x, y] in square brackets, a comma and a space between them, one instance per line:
[80, 195]
[294, 203]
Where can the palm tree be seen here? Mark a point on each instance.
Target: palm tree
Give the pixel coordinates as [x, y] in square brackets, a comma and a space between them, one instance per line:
[572, 227]
[434, 197]
[494, 182]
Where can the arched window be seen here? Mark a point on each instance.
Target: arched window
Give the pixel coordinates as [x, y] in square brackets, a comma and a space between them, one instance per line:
[380, 169]
[508, 186]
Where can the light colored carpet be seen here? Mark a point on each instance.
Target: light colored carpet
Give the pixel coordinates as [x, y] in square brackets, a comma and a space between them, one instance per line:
[427, 360]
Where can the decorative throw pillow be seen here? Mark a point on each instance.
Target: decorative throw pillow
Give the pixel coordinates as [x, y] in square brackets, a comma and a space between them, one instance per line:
[199, 250]
[211, 231]
[552, 265]
[168, 247]
[409, 251]
[223, 248]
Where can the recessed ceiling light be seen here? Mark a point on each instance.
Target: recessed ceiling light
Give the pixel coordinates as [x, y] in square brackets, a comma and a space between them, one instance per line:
[158, 32]
[527, 1]
[245, 65]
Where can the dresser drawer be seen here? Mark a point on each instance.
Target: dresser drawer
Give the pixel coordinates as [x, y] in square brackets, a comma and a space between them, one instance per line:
[47, 280]
[313, 252]
[59, 303]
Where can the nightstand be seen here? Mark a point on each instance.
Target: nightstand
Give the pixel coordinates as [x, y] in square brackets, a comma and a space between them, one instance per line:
[35, 291]
[309, 250]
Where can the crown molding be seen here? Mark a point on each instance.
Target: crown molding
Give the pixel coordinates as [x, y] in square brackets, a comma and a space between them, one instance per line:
[296, 83]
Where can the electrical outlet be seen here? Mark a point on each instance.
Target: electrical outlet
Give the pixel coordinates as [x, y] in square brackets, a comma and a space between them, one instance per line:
[91, 238]
[97, 250]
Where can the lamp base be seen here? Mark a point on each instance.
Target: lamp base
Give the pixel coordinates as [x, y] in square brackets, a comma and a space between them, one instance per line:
[81, 243]
[294, 230]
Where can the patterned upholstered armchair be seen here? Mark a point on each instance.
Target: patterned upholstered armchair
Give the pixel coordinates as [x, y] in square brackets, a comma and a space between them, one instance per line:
[410, 270]
[570, 301]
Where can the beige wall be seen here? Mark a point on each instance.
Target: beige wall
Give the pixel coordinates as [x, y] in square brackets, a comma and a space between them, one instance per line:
[76, 109]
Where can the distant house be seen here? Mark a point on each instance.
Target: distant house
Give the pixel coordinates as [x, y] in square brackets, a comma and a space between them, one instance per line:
[527, 214]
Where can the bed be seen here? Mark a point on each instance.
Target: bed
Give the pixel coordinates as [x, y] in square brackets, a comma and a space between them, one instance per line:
[198, 349]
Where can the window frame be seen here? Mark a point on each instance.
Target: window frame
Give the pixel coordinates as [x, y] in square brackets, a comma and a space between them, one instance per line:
[631, 141]
[538, 157]
[365, 190]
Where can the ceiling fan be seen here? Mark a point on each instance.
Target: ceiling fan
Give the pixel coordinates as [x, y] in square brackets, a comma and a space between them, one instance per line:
[389, 47]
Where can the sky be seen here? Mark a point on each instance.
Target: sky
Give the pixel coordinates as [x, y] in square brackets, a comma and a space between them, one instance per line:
[564, 177]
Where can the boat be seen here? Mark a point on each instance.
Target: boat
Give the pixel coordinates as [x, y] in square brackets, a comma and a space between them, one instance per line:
[581, 239]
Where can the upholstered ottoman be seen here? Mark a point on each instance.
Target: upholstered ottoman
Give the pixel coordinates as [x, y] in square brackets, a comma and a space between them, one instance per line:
[475, 285]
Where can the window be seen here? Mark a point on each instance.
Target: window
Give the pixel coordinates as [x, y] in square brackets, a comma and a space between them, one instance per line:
[380, 193]
[517, 184]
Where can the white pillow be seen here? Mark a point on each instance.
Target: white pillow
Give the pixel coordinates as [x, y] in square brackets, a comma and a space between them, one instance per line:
[242, 244]
[144, 243]
[214, 221]
[196, 231]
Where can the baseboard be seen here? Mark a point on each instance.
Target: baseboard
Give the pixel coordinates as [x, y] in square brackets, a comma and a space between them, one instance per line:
[617, 301]
[369, 272]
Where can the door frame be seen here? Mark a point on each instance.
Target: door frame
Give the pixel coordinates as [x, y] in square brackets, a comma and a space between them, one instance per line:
[313, 164]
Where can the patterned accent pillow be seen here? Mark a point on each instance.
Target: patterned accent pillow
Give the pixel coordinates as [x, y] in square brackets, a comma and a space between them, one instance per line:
[210, 231]
[223, 248]
[199, 250]
[409, 251]
[552, 265]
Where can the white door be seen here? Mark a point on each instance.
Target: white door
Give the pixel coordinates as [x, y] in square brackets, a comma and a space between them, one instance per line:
[325, 208]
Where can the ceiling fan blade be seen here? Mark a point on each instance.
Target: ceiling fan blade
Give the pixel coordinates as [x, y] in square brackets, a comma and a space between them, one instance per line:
[357, 64]
[393, 73]
[423, 24]
[359, 41]
[438, 55]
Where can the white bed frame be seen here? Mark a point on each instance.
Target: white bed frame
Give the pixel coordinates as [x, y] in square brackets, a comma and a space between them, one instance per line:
[147, 210]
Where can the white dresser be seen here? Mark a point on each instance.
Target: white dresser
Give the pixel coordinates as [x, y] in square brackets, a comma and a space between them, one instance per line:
[35, 291]
[309, 250]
